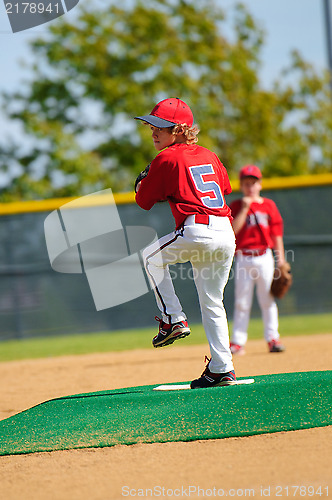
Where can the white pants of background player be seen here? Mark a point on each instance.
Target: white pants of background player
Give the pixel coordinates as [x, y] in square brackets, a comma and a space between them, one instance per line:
[251, 271]
[210, 249]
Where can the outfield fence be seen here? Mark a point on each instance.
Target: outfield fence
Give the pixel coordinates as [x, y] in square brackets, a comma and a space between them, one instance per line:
[37, 301]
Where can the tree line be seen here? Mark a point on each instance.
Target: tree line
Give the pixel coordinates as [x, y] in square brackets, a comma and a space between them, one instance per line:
[93, 73]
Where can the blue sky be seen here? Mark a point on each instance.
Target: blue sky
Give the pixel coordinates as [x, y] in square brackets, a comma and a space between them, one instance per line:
[289, 24]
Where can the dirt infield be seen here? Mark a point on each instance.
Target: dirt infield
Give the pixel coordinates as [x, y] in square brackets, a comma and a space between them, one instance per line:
[287, 464]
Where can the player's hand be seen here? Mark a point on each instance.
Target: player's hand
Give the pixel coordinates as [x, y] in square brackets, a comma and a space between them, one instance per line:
[246, 202]
[141, 176]
[280, 262]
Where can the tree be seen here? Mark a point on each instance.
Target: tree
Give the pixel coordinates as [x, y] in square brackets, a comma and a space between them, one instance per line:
[312, 100]
[92, 75]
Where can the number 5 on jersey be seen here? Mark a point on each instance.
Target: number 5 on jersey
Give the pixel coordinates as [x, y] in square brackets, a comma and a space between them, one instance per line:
[215, 198]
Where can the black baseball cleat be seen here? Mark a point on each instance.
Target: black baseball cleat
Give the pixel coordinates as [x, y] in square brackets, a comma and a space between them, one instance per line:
[209, 379]
[275, 346]
[169, 332]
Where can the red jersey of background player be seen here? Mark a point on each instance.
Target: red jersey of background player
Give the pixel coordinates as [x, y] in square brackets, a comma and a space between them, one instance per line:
[267, 215]
[191, 178]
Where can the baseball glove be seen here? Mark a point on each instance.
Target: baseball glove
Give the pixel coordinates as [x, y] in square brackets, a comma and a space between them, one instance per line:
[141, 176]
[282, 281]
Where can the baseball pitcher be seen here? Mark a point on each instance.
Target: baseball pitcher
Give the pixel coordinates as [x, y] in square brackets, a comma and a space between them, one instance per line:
[193, 181]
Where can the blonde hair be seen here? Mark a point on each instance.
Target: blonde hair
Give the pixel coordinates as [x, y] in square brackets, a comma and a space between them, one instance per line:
[190, 133]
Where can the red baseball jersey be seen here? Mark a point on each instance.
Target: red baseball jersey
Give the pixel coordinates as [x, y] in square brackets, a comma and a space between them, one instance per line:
[263, 223]
[191, 178]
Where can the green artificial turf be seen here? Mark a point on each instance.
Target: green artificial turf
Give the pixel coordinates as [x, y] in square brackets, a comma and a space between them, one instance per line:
[141, 338]
[274, 403]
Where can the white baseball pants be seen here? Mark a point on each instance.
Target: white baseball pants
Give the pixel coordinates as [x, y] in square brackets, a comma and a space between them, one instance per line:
[210, 250]
[251, 271]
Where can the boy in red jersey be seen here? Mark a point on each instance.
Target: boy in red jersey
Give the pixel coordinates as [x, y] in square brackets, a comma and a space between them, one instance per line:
[193, 181]
[258, 227]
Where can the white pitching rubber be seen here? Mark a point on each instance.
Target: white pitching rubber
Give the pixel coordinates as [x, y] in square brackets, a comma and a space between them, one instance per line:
[181, 387]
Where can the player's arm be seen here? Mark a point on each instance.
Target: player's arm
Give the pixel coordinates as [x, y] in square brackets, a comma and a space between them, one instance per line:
[279, 250]
[276, 232]
[240, 218]
[151, 189]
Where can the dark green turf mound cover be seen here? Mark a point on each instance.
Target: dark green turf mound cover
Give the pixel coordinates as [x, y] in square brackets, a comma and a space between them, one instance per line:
[273, 403]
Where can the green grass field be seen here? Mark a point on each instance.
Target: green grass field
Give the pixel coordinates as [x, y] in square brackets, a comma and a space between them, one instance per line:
[43, 347]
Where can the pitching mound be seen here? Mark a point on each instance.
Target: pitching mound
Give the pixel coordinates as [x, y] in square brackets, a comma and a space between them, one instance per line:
[273, 403]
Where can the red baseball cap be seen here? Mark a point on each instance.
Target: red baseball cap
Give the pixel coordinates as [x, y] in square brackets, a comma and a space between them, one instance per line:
[168, 113]
[250, 171]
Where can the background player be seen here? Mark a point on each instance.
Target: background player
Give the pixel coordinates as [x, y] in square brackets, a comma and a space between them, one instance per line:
[258, 227]
[193, 180]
